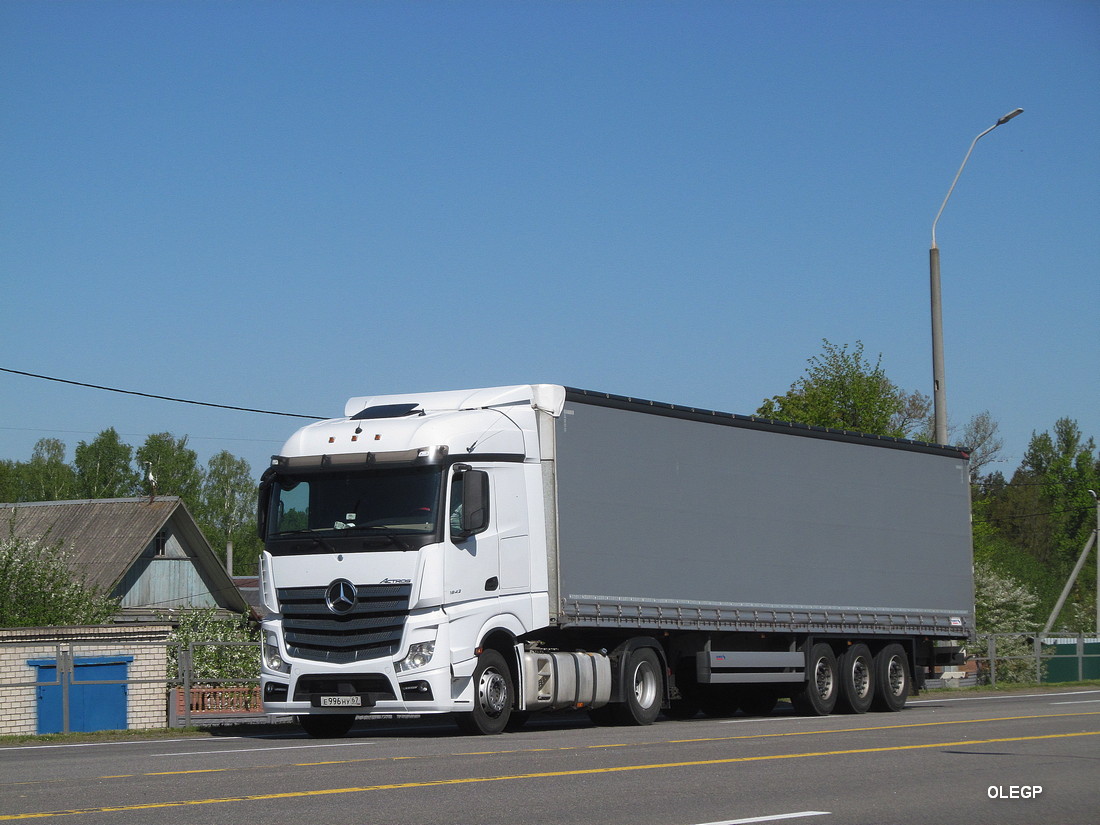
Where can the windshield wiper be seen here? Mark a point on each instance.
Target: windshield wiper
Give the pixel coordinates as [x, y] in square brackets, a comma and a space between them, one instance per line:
[366, 533]
[306, 534]
[382, 532]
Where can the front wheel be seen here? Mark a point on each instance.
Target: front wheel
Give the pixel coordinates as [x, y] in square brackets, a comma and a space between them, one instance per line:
[642, 689]
[493, 696]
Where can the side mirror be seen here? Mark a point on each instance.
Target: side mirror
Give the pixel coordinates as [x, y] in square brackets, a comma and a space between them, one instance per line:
[475, 501]
[263, 502]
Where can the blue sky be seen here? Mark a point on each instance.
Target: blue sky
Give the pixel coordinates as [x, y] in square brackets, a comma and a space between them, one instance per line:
[281, 205]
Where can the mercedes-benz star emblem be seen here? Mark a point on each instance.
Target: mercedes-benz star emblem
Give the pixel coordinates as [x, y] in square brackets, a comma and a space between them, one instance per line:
[340, 596]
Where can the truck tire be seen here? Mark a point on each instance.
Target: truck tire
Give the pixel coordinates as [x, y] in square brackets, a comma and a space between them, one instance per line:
[891, 675]
[818, 697]
[857, 680]
[326, 727]
[493, 696]
[641, 689]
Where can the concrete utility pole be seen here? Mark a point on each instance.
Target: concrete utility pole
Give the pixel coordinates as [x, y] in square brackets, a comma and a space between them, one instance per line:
[939, 390]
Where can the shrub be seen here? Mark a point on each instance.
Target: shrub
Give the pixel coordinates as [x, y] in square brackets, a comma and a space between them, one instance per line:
[39, 588]
[221, 649]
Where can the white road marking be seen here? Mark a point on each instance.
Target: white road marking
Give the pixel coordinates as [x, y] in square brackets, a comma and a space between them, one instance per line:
[257, 750]
[1011, 696]
[773, 818]
[1078, 702]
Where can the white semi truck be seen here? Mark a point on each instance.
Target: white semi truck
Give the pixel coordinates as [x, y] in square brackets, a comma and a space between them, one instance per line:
[491, 553]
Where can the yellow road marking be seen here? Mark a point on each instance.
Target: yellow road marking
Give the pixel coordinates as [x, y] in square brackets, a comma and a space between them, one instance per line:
[889, 727]
[626, 744]
[542, 775]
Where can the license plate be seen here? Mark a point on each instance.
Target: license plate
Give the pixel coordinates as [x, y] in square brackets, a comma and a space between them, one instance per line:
[341, 701]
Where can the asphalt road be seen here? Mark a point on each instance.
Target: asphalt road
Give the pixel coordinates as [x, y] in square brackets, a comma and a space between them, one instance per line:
[1030, 758]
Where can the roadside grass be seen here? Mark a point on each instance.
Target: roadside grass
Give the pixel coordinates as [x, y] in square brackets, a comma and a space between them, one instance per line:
[192, 732]
[100, 736]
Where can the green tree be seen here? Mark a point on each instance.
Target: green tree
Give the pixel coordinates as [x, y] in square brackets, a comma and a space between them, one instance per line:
[11, 481]
[1039, 522]
[1066, 467]
[103, 468]
[995, 547]
[228, 509]
[38, 588]
[841, 389]
[46, 477]
[174, 466]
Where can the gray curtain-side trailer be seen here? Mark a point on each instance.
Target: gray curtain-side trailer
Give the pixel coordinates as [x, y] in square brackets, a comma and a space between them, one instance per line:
[753, 550]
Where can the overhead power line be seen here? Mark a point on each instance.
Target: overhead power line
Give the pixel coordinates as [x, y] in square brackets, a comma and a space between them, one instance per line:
[160, 397]
[1038, 484]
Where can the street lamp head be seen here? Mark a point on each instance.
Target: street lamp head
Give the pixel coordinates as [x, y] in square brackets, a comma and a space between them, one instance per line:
[939, 392]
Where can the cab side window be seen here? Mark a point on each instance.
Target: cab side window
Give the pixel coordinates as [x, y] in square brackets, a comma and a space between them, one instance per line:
[469, 505]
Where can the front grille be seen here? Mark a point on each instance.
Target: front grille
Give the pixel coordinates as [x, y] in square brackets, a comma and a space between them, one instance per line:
[371, 629]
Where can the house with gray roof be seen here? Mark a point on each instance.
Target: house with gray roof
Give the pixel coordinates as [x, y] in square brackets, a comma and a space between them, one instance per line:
[148, 552]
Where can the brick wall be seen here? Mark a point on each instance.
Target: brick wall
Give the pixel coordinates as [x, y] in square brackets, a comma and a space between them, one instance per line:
[146, 705]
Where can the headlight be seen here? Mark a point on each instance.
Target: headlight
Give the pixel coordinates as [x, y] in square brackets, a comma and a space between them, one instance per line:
[272, 658]
[419, 655]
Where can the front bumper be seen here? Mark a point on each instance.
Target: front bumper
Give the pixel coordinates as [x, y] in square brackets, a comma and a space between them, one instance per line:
[368, 688]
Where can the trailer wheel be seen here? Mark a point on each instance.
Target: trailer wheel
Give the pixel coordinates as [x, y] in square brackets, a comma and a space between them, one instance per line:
[818, 697]
[326, 727]
[641, 689]
[493, 695]
[857, 680]
[891, 675]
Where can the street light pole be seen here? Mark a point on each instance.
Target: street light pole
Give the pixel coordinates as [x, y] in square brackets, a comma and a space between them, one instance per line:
[939, 390]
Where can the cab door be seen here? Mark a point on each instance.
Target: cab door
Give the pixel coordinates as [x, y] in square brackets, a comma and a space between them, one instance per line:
[472, 566]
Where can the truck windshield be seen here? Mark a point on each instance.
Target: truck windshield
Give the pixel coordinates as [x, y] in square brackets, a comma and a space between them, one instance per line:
[401, 501]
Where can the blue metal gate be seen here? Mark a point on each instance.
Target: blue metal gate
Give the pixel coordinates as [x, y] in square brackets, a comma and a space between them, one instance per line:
[84, 693]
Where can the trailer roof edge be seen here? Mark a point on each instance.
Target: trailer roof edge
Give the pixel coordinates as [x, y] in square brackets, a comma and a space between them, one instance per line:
[641, 405]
